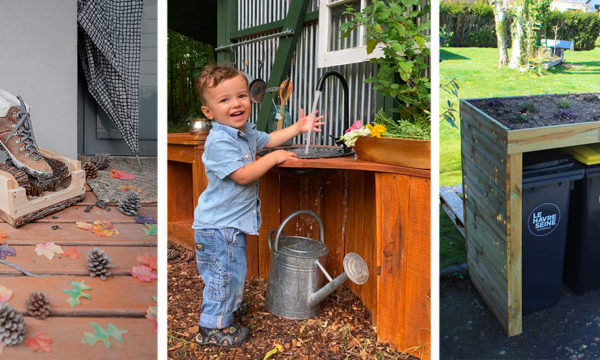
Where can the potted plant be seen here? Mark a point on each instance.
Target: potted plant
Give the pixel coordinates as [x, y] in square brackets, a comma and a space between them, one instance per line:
[398, 28]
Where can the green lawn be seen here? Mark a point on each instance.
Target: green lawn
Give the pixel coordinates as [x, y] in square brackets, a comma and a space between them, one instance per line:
[477, 74]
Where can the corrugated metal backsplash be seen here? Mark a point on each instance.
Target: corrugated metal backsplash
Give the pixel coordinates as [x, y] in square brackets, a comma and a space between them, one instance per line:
[304, 72]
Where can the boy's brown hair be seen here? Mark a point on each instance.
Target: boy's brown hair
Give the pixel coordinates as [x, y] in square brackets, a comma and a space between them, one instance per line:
[212, 75]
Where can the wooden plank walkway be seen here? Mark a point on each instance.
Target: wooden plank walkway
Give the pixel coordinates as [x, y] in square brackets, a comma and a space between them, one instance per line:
[452, 203]
[121, 300]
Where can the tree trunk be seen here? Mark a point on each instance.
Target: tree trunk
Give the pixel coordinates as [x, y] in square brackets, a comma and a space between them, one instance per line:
[501, 18]
[518, 38]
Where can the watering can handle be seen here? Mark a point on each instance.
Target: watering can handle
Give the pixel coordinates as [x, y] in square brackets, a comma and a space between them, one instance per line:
[287, 219]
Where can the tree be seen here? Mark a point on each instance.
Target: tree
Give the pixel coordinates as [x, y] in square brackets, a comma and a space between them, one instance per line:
[501, 19]
[526, 18]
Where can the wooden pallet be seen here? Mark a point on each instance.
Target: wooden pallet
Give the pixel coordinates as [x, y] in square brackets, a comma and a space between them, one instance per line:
[17, 209]
[121, 299]
[452, 203]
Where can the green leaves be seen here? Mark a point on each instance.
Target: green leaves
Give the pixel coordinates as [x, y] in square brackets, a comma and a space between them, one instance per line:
[103, 335]
[76, 292]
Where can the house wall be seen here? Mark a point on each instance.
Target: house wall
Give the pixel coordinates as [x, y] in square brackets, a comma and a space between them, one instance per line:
[304, 72]
[38, 57]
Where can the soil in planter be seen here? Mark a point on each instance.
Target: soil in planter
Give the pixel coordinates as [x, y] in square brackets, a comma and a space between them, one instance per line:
[342, 330]
[537, 111]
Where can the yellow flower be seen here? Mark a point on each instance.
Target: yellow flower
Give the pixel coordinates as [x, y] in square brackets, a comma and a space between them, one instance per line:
[376, 130]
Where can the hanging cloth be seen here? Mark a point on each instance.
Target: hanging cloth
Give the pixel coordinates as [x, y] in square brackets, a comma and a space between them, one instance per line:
[109, 45]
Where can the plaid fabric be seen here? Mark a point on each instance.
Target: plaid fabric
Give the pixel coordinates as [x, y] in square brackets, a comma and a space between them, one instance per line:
[109, 53]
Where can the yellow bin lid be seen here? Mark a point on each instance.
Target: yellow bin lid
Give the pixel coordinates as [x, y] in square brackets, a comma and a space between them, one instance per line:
[587, 154]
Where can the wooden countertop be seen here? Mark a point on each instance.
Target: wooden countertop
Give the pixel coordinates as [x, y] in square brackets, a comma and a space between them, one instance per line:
[352, 163]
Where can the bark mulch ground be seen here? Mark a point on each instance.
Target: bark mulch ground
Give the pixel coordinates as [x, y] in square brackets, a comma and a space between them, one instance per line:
[342, 330]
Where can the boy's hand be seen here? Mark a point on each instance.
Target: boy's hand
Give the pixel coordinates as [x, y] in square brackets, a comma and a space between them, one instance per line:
[305, 122]
[281, 156]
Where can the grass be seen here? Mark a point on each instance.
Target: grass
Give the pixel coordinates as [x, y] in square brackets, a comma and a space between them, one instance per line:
[477, 74]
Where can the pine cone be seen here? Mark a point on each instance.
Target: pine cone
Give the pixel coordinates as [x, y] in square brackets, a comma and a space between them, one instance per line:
[170, 245]
[188, 255]
[172, 254]
[99, 263]
[38, 305]
[91, 171]
[101, 160]
[130, 203]
[12, 325]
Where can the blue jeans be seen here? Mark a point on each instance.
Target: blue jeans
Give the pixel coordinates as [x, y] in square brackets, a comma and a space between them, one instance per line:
[222, 264]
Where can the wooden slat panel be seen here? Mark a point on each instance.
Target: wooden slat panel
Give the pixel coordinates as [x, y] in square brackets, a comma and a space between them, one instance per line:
[455, 203]
[123, 258]
[180, 204]
[360, 234]
[67, 333]
[69, 234]
[514, 240]
[552, 137]
[76, 213]
[112, 297]
[181, 232]
[403, 236]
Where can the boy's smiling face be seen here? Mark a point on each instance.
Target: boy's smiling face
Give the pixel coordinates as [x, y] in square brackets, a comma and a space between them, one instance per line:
[229, 102]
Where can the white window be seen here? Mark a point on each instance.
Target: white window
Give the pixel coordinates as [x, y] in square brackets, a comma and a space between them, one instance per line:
[333, 50]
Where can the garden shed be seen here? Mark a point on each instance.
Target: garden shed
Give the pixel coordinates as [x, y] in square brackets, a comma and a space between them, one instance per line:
[380, 211]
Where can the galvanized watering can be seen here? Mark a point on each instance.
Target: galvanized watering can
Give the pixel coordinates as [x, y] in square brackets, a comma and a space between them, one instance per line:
[296, 272]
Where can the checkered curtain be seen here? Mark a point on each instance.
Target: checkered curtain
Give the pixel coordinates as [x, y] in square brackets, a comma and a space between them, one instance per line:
[109, 52]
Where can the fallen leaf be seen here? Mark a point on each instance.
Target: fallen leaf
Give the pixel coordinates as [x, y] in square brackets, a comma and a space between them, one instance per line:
[128, 188]
[148, 260]
[48, 249]
[143, 273]
[5, 294]
[151, 314]
[3, 237]
[104, 228]
[145, 219]
[118, 174]
[72, 253]
[39, 341]
[76, 292]
[84, 225]
[5, 251]
[273, 351]
[152, 230]
[103, 335]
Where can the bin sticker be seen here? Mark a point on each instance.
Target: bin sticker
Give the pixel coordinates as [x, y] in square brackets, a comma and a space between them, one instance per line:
[544, 219]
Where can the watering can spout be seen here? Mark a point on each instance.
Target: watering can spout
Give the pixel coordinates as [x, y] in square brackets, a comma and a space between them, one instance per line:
[355, 269]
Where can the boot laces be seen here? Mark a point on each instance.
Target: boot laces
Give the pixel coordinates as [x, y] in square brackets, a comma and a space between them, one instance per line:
[24, 130]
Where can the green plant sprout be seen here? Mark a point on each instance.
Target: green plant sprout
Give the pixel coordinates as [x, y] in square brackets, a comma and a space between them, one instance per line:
[563, 103]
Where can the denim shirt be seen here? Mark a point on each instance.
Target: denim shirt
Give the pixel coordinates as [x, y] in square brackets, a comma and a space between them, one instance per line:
[226, 203]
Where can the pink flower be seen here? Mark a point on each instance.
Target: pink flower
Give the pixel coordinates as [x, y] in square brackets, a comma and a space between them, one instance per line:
[357, 125]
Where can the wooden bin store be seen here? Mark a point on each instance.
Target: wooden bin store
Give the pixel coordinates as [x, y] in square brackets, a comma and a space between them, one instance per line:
[492, 161]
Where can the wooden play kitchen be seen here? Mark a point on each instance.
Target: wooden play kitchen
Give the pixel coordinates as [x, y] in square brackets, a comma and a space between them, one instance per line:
[379, 211]
[492, 163]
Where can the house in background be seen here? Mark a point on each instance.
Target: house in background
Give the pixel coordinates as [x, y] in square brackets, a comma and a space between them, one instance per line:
[40, 62]
[576, 5]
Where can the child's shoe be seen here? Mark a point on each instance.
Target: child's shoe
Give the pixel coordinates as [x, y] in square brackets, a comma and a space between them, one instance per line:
[232, 336]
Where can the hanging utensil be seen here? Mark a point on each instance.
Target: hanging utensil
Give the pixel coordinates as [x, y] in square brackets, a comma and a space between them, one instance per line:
[257, 87]
[285, 90]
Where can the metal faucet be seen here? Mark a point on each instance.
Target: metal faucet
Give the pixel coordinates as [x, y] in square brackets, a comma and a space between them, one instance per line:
[321, 84]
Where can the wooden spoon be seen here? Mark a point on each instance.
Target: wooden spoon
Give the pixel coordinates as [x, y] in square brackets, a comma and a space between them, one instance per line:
[285, 90]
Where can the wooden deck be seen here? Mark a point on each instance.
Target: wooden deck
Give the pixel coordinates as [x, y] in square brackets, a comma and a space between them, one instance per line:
[121, 300]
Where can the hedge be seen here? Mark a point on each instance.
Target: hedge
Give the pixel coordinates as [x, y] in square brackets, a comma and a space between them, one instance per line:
[473, 25]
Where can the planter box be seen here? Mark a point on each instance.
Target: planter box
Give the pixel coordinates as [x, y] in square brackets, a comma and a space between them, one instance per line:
[393, 151]
[492, 159]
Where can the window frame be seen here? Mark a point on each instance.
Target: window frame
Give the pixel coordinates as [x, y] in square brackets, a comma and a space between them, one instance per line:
[327, 58]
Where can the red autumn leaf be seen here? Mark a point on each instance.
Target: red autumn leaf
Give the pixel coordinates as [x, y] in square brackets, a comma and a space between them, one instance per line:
[2, 237]
[39, 341]
[72, 253]
[143, 273]
[148, 260]
[116, 174]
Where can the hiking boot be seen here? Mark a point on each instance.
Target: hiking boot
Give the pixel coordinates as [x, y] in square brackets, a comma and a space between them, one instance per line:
[16, 137]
